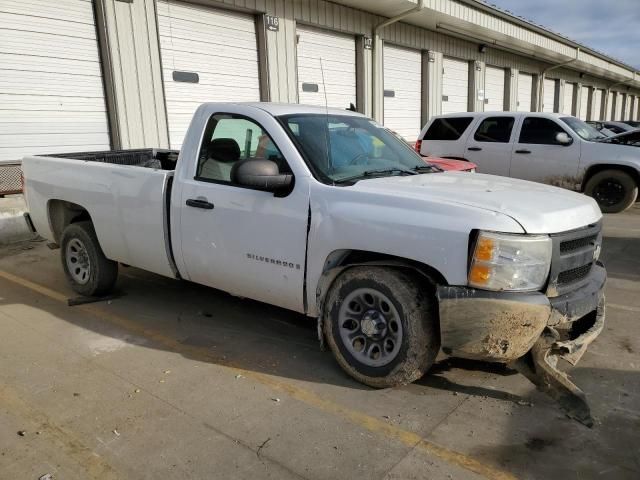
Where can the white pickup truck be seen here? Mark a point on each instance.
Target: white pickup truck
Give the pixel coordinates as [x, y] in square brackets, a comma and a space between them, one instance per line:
[551, 148]
[326, 213]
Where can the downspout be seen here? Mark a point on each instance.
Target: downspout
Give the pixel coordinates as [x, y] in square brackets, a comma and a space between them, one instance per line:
[377, 93]
[606, 100]
[544, 73]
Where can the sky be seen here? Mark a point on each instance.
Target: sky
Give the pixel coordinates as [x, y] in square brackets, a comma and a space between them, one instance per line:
[610, 26]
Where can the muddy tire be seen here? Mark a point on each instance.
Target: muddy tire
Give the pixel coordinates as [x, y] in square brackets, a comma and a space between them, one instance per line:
[382, 325]
[614, 190]
[88, 271]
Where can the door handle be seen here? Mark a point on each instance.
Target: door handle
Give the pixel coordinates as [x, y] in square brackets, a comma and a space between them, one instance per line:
[474, 149]
[194, 202]
[523, 151]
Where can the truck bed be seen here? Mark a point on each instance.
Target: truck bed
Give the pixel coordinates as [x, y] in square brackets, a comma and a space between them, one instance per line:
[125, 192]
[159, 158]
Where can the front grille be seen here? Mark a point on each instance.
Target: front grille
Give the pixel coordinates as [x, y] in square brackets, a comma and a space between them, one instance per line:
[576, 244]
[573, 258]
[575, 274]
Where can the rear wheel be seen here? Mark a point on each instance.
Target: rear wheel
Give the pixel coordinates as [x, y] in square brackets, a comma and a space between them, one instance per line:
[382, 326]
[88, 271]
[614, 190]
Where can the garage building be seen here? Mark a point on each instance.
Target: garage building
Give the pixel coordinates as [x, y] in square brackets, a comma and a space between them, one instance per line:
[97, 74]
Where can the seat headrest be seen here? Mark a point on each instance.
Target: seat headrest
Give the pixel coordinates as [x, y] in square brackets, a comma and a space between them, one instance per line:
[224, 150]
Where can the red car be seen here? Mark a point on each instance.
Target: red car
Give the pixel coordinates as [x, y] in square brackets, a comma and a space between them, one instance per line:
[450, 165]
[446, 164]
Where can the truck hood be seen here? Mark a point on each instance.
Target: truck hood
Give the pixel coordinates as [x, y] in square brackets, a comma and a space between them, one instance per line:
[538, 208]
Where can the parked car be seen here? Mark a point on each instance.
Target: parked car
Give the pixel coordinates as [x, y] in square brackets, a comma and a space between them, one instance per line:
[631, 138]
[633, 123]
[326, 213]
[611, 126]
[549, 148]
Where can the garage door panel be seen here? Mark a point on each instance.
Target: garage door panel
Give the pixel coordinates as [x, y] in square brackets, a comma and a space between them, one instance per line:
[76, 11]
[332, 54]
[525, 92]
[584, 103]
[597, 102]
[51, 65]
[403, 76]
[455, 86]
[47, 26]
[568, 97]
[494, 89]
[48, 46]
[51, 90]
[60, 84]
[219, 45]
[549, 98]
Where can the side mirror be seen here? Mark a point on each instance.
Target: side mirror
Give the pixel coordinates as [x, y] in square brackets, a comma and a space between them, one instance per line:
[261, 175]
[564, 139]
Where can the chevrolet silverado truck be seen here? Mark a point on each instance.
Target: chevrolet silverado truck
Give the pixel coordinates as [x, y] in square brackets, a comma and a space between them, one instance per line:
[551, 148]
[327, 213]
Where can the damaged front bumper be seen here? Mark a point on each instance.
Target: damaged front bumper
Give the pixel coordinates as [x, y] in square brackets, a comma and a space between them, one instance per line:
[530, 331]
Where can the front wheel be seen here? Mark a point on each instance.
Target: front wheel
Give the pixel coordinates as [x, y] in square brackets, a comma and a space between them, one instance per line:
[88, 271]
[614, 190]
[382, 326]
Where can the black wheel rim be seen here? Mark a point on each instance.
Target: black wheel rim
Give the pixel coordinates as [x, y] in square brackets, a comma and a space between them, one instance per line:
[609, 192]
[370, 327]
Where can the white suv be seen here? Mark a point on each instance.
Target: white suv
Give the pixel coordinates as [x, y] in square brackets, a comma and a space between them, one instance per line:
[544, 147]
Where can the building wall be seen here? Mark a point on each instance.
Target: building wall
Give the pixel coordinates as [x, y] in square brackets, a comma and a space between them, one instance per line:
[135, 79]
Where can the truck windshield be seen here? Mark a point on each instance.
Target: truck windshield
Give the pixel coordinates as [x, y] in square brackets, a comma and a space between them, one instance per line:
[586, 131]
[347, 148]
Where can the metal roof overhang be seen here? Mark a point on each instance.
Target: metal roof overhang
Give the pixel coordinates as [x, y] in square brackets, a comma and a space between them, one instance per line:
[456, 27]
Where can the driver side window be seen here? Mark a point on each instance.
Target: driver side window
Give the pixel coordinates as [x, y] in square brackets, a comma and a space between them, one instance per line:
[230, 139]
[540, 131]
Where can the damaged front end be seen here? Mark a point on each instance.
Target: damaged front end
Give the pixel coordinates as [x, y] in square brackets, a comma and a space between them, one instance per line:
[540, 365]
[529, 331]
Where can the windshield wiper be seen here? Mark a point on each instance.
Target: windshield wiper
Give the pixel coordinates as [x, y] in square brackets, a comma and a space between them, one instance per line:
[431, 168]
[374, 173]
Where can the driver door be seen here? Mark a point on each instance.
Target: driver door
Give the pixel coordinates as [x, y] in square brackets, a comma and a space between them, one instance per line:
[538, 156]
[246, 242]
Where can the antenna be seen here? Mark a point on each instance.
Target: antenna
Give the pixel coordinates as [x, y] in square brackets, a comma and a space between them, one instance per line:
[326, 109]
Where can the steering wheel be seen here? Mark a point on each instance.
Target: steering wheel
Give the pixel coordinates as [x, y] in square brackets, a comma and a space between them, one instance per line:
[354, 160]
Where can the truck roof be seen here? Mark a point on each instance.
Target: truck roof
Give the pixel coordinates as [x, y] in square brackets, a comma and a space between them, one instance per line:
[277, 109]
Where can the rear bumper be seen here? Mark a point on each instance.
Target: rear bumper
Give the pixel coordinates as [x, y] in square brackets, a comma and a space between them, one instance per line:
[502, 326]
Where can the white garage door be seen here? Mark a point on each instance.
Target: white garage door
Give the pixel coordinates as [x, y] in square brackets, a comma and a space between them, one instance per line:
[627, 107]
[494, 89]
[402, 91]
[584, 103]
[51, 92]
[455, 86]
[549, 99]
[568, 96]
[217, 45]
[338, 55]
[597, 104]
[617, 115]
[525, 90]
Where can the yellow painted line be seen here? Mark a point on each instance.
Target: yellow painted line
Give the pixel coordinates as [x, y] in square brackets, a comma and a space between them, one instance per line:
[307, 397]
[623, 307]
[87, 463]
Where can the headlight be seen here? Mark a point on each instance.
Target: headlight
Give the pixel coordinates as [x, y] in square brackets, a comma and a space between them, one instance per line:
[510, 262]
[473, 170]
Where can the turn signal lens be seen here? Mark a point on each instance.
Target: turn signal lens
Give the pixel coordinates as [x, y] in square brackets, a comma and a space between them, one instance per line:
[484, 249]
[479, 275]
